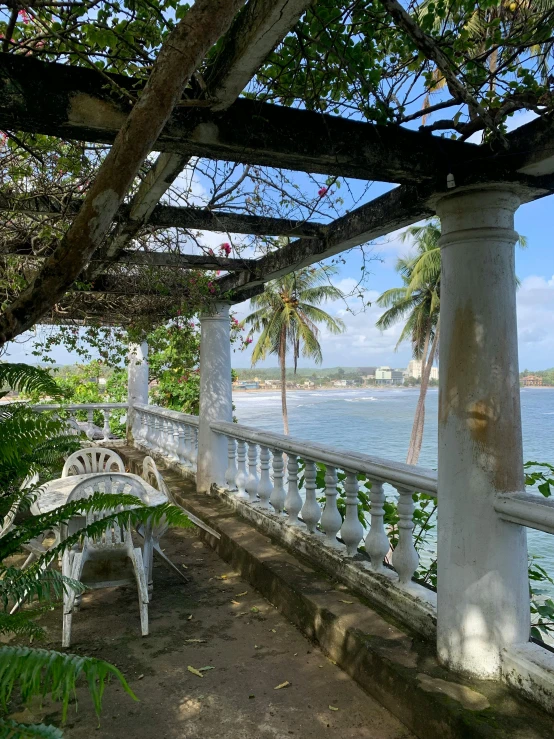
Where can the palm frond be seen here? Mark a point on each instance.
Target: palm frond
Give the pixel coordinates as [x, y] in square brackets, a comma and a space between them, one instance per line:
[41, 672]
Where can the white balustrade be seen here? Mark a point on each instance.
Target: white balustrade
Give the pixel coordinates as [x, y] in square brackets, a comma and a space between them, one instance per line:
[252, 480]
[278, 496]
[311, 510]
[352, 530]
[331, 519]
[106, 427]
[89, 409]
[405, 558]
[231, 471]
[242, 476]
[169, 433]
[293, 501]
[343, 535]
[265, 488]
[377, 543]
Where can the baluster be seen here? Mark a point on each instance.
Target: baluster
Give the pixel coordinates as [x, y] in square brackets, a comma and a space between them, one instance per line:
[311, 510]
[405, 558]
[231, 471]
[377, 543]
[188, 445]
[149, 431]
[90, 423]
[175, 444]
[155, 431]
[293, 501]
[277, 498]
[331, 520]
[193, 446]
[75, 428]
[241, 474]
[106, 427]
[167, 438]
[181, 444]
[265, 488]
[252, 480]
[351, 530]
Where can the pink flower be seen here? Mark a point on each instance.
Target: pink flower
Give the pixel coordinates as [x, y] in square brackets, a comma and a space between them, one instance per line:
[322, 191]
[211, 252]
[24, 16]
[248, 340]
[225, 248]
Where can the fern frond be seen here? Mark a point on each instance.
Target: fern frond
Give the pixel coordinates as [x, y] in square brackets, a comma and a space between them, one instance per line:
[41, 672]
[28, 379]
[21, 623]
[21, 586]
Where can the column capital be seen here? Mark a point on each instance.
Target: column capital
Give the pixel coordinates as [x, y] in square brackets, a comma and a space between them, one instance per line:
[220, 312]
[478, 213]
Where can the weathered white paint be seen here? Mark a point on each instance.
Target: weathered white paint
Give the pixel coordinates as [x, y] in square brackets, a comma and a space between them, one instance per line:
[137, 383]
[483, 599]
[215, 395]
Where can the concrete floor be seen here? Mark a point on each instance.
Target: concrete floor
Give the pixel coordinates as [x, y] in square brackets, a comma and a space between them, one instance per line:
[250, 646]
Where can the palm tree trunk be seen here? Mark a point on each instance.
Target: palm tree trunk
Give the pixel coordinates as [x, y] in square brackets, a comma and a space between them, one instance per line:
[282, 363]
[419, 421]
[415, 424]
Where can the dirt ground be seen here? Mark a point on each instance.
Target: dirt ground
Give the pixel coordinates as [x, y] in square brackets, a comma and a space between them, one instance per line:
[215, 621]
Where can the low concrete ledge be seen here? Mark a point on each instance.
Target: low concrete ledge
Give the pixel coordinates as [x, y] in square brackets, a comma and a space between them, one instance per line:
[396, 667]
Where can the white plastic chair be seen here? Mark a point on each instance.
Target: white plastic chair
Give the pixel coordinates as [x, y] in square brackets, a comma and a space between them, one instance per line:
[92, 459]
[115, 543]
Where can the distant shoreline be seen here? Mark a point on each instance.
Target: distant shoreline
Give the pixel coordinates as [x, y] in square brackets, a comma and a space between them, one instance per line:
[325, 388]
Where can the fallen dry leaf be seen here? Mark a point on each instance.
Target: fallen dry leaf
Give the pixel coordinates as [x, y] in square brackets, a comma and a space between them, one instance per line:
[333, 708]
[205, 669]
[282, 685]
[239, 595]
[235, 602]
[195, 671]
[350, 602]
[254, 609]
[273, 631]
[196, 641]
[140, 677]
[184, 567]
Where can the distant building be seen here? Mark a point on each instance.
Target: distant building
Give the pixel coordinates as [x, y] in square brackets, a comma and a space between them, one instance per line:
[368, 374]
[415, 368]
[340, 383]
[244, 385]
[309, 383]
[383, 375]
[397, 377]
[531, 381]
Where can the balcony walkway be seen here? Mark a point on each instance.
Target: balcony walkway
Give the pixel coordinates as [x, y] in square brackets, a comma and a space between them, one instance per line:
[250, 645]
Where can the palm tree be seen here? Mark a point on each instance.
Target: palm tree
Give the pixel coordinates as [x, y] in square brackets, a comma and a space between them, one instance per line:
[418, 299]
[286, 316]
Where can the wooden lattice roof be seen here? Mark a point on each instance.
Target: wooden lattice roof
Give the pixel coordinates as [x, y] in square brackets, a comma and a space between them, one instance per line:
[82, 104]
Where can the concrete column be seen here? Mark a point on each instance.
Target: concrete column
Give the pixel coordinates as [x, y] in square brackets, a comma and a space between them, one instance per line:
[137, 382]
[215, 395]
[483, 598]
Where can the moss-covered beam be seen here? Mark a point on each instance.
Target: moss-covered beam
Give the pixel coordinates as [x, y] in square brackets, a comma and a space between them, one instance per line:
[77, 103]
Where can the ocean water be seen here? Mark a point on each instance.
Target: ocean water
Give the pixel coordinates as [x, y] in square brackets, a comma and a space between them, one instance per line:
[379, 423]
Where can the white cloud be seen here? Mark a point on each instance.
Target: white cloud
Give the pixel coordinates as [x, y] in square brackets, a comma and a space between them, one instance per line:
[535, 303]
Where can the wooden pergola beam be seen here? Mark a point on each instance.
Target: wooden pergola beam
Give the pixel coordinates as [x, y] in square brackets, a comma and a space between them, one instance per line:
[169, 216]
[76, 103]
[399, 208]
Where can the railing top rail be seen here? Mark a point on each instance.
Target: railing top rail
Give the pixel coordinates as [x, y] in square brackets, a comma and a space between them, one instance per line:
[527, 509]
[76, 406]
[157, 410]
[398, 474]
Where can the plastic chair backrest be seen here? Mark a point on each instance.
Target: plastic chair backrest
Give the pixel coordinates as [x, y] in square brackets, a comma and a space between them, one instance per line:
[92, 459]
[109, 483]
